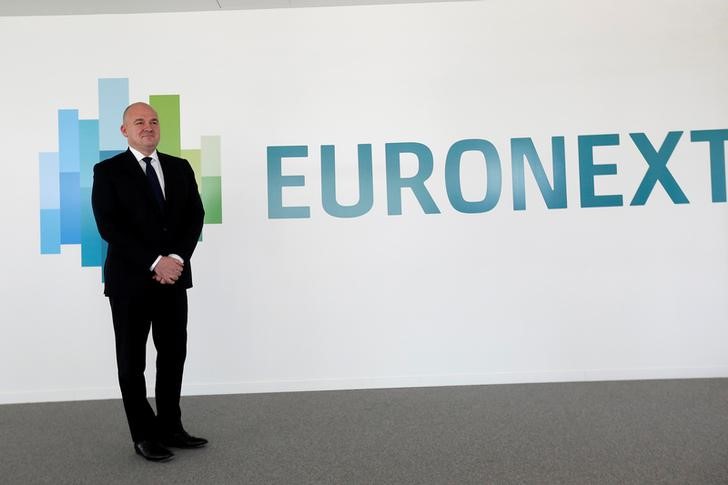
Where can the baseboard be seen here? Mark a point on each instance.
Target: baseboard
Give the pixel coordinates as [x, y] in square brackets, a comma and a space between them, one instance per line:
[383, 382]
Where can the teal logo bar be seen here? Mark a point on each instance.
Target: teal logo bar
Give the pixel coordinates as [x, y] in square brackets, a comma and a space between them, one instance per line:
[66, 176]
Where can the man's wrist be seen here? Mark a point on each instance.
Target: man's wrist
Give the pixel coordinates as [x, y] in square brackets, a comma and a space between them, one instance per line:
[154, 264]
[177, 257]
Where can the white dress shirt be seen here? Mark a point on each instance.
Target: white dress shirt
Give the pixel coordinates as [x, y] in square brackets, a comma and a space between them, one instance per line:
[155, 164]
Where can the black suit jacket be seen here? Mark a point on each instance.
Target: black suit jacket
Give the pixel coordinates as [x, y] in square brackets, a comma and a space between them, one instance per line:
[137, 230]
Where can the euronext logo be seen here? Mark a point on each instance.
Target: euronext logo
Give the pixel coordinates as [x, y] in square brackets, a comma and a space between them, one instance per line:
[66, 175]
[590, 163]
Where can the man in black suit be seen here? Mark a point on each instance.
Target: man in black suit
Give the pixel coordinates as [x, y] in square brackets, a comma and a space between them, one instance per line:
[147, 207]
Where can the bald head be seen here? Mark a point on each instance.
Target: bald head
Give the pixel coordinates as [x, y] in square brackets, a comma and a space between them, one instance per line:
[135, 105]
[140, 126]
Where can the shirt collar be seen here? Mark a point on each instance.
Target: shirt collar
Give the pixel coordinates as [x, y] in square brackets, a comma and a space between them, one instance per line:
[139, 155]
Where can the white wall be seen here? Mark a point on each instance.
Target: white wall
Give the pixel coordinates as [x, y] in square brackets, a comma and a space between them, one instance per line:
[380, 300]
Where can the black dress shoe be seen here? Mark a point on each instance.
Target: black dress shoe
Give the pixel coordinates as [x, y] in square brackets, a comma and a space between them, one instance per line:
[152, 450]
[181, 439]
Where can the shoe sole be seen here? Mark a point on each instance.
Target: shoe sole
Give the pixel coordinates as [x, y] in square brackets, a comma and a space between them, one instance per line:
[156, 460]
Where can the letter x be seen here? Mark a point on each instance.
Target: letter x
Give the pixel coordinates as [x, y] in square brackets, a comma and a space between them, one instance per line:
[657, 168]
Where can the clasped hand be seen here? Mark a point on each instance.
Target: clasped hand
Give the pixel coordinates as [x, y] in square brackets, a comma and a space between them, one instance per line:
[168, 270]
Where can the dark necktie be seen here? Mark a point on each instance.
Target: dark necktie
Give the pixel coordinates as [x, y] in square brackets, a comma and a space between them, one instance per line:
[153, 181]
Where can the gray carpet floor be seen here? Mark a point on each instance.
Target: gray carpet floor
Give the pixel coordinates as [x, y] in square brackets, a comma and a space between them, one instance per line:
[636, 432]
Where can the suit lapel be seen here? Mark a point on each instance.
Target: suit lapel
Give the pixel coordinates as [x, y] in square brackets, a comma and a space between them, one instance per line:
[168, 174]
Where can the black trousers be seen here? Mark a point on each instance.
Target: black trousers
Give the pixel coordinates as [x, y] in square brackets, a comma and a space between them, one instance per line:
[164, 310]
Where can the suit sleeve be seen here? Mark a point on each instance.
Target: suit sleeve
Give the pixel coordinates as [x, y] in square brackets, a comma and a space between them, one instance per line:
[112, 226]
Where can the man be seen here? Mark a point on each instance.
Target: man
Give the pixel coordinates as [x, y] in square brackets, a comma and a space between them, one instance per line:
[148, 209]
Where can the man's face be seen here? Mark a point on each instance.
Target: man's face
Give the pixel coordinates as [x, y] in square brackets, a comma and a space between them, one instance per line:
[141, 128]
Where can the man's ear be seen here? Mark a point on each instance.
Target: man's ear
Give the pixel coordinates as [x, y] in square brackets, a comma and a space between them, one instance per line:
[122, 128]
